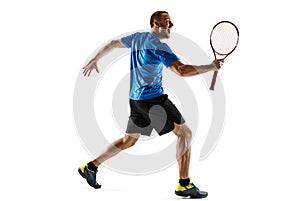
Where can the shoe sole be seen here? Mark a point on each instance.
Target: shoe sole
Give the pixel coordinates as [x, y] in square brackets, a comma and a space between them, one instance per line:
[182, 194]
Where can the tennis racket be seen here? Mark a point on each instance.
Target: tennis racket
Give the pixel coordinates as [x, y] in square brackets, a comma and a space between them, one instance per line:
[224, 38]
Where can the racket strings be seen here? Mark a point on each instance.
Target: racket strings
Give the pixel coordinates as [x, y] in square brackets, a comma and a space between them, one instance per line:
[224, 38]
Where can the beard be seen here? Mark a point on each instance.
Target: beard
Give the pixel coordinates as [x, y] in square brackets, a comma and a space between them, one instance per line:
[164, 33]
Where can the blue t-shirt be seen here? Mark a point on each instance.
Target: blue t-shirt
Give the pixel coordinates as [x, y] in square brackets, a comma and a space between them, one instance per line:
[148, 56]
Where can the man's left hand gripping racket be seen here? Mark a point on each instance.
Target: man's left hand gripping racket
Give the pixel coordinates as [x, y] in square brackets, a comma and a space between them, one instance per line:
[224, 38]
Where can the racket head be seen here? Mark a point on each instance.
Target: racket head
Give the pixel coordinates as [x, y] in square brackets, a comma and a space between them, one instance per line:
[224, 38]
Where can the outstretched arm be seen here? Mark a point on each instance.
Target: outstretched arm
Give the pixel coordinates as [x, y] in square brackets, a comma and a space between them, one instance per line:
[92, 64]
[185, 70]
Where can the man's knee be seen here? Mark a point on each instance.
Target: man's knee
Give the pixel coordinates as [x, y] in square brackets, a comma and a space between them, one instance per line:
[130, 139]
[183, 131]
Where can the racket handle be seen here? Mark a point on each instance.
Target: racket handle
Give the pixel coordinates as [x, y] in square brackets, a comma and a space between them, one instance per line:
[213, 81]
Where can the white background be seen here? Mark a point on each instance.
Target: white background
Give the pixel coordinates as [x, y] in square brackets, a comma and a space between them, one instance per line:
[43, 46]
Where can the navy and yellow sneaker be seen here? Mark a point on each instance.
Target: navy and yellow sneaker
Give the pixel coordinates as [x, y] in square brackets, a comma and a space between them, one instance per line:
[89, 175]
[190, 191]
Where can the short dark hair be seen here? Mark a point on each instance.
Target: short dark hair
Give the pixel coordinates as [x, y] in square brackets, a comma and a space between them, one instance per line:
[156, 16]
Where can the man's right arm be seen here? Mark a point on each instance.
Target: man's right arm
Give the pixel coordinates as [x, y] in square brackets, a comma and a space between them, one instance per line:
[185, 70]
[92, 64]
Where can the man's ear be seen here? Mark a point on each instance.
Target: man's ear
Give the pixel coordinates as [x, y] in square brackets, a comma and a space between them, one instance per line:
[156, 23]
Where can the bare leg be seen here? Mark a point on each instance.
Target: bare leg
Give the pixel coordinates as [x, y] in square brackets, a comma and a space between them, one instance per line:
[123, 143]
[183, 149]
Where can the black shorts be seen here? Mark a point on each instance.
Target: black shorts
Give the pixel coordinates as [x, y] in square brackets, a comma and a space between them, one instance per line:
[158, 113]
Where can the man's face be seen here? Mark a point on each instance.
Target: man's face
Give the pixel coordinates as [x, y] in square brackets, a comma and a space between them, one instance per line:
[165, 26]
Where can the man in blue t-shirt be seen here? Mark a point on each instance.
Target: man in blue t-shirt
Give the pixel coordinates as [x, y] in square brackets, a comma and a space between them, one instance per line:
[150, 107]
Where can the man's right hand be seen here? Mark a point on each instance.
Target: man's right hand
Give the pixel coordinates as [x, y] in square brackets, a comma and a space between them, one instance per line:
[218, 64]
[89, 67]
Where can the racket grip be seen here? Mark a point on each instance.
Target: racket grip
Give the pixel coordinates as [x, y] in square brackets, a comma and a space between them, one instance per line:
[213, 81]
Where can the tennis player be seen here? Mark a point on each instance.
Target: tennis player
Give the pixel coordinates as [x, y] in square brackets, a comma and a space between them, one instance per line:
[148, 58]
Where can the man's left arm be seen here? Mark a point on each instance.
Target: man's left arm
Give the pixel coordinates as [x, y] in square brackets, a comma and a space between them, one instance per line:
[92, 64]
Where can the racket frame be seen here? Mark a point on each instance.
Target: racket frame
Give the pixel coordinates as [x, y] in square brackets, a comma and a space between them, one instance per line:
[214, 78]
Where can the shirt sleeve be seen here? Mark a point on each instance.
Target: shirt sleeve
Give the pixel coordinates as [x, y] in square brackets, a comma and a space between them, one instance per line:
[127, 40]
[166, 55]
